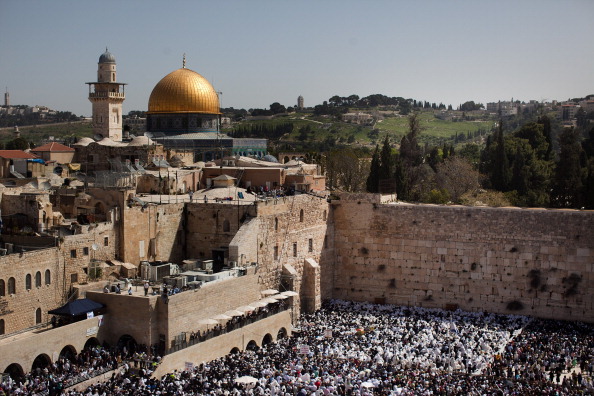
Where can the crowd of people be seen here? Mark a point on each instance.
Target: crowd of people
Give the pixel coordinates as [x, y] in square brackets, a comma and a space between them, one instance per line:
[349, 348]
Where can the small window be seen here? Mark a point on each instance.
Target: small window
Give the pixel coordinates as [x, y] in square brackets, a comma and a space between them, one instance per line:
[294, 249]
[301, 216]
[310, 246]
[276, 252]
[85, 251]
[38, 316]
[73, 253]
[324, 217]
[28, 282]
[276, 224]
[73, 278]
[226, 226]
[48, 277]
[11, 286]
[2, 329]
[2, 288]
[106, 241]
[38, 279]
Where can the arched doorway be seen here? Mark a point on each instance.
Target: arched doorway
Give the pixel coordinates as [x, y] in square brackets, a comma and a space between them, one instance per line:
[234, 351]
[91, 343]
[128, 342]
[68, 352]
[282, 333]
[267, 339]
[41, 361]
[252, 346]
[15, 371]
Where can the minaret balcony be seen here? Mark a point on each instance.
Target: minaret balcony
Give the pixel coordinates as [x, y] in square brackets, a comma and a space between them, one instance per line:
[114, 95]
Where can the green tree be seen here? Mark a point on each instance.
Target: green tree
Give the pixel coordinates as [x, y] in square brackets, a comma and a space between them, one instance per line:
[386, 163]
[567, 184]
[374, 172]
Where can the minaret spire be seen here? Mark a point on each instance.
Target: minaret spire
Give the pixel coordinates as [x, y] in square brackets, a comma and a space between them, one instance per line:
[184, 61]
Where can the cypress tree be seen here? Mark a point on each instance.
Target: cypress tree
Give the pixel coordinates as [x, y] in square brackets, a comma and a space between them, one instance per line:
[374, 172]
[500, 171]
[386, 165]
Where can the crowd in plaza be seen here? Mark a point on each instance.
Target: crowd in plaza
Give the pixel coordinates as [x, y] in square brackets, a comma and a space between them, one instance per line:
[350, 348]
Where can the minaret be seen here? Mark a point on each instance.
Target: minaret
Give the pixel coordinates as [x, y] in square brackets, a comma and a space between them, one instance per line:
[107, 97]
[6, 98]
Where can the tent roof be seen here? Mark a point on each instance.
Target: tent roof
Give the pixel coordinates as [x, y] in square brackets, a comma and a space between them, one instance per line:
[77, 307]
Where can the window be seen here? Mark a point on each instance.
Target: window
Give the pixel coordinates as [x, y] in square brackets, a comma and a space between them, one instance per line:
[106, 241]
[324, 217]
[276, 252]
[38, 279]
[11, 286]
[310, 247]
[294, 249]
[73, 278]
[301, 216]
[73, 253]
[38, 316]
[86, 251]
[48, 277]
[2, 329]
[2, 288]
[28, 282]
[226, 226]
[276, 224]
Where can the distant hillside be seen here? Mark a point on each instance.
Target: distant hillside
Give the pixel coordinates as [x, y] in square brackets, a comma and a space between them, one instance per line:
[72, 131]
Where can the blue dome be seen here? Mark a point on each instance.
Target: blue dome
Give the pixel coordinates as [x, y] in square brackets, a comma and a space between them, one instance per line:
[107, 57]
[269, 158]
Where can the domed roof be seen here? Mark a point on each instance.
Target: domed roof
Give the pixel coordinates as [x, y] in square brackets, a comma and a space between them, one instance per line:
[183, 91]
[141, 141]
[107, 57]
[270, 158]
[84, 141]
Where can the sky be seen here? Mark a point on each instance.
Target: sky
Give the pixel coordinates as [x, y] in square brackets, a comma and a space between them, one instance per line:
[264, 51]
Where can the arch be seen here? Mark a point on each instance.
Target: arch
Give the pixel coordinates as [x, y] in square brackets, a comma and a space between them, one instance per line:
[252, 346]
[38, 316]
[99, 208]
[276, 224]
[28, 282]
[38, 279]
[48, 277]
[226, 225]
[68, 352]
[91, 343]
[301, 216]
[282, 333]
[41, 361]
[2, 288]
[267, 339]
[234, 351]
[15, 371]
[11, 285]
[128, 342]
[286, 159]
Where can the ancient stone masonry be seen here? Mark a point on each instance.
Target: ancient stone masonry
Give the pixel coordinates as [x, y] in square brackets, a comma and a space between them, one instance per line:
[508, 260]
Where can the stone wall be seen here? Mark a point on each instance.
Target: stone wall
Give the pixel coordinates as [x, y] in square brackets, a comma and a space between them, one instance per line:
[67, 265]
[292, 230]
[507, 260]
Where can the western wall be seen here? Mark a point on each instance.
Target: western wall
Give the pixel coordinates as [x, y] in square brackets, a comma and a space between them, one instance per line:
[535, 262]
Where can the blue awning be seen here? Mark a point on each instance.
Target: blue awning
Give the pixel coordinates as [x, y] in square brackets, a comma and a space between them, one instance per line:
[77, 308]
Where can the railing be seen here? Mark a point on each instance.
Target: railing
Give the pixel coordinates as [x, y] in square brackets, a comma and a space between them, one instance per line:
[181, 341]
[117, 95]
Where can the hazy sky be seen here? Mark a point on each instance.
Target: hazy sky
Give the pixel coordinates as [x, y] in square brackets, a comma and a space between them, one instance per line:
[260, 52]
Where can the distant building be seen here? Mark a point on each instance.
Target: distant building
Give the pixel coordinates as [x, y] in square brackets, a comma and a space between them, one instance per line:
[300, 102]
[107, 97]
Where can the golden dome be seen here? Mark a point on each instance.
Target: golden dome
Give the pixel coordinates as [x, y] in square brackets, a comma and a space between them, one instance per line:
[183, 91]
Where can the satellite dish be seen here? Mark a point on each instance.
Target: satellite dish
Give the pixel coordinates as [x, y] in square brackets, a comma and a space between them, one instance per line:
[97, 137]
[94, 246]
